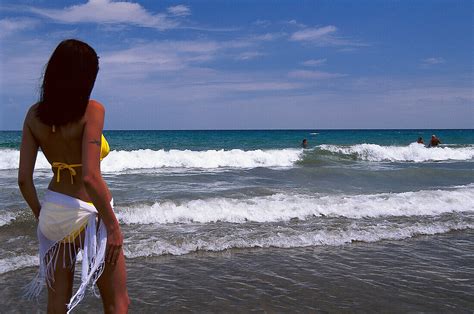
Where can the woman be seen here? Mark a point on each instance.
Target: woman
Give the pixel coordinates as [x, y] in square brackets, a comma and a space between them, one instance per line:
[76, 212]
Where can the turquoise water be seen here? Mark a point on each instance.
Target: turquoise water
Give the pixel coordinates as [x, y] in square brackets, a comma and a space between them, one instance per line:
[260, 139]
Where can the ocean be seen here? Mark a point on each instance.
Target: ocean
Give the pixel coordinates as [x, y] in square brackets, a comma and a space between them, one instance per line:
[240, 221]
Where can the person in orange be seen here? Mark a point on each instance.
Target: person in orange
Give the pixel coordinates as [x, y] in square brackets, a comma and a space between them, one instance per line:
[434, 141]
[76, 212]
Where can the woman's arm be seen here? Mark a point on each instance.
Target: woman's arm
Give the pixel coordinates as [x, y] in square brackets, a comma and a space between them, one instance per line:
[93, 181]
[28, 153]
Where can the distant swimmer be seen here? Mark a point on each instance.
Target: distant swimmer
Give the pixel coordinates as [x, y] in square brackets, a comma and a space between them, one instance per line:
[434, 141]
[304, 144]
[420, 140]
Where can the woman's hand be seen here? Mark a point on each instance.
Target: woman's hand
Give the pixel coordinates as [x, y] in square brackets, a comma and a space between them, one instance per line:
[114, 244]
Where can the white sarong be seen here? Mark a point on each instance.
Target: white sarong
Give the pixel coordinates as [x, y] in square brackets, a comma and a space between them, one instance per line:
[61, 219]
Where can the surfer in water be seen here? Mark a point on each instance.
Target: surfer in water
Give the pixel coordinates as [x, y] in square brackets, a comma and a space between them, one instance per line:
[304, 144]
[420, 140]
[434, 141]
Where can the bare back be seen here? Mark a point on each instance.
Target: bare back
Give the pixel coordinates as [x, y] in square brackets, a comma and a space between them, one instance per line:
[62, 144]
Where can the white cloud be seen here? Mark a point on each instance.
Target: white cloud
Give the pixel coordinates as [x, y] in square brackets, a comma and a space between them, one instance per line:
[163, 56]
[262, 23]
[249, 85]
[433, 61]
[107, 11]
[313, 34]
[323, 36]
[347, 49]
[314, 75]
[314, 62]
[143, 59]
[193, 85]
[179, 10]
[248, 55]
[295, 23]
[267, 36]
[9, 26]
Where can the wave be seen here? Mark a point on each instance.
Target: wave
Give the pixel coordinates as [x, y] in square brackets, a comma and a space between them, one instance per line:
[118, 161]
[354, 233]
[265, 238]
[284, 207]
[189, 240]
[235, 158]
[413, 152]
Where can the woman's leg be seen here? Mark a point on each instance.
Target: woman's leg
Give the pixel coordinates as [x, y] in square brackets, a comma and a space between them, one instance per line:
[113, 287]
[60, 292]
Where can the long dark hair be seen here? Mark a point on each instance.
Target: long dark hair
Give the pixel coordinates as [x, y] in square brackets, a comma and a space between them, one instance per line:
[68, 81]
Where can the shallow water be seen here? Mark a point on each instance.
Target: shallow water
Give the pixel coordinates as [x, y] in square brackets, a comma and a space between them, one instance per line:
[425, 273]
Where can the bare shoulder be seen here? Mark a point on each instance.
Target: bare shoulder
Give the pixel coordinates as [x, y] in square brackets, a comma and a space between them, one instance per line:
[95, 110]
[31, 115]
[32, 110]
[96, 106]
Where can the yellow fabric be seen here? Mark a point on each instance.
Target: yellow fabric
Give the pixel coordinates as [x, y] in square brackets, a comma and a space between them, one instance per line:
[104, 151]
[104, 147]
[73, 235]
[62, 166]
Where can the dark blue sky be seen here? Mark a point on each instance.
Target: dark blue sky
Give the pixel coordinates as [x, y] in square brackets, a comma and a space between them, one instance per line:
[252, 64]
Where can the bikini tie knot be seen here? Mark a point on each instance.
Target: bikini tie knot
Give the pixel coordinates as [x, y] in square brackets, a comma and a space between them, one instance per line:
[62, 166]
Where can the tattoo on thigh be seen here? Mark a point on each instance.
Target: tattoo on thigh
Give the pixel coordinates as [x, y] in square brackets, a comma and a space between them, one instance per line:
[96, 142]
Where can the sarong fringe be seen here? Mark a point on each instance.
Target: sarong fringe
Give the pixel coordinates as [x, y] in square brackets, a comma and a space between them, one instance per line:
[93, 262]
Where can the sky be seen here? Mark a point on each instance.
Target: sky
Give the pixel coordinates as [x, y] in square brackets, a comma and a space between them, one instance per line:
[245, 64]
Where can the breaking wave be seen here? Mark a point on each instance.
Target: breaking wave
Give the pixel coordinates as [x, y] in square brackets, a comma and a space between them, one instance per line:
[337, 237]
[413, 152]
[283, 207]
[118, 161]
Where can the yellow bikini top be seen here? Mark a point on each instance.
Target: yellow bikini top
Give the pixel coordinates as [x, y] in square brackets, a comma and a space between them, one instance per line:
[104, 147]
[104, 151]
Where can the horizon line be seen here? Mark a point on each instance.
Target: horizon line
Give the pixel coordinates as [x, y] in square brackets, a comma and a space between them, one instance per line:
[274, 129]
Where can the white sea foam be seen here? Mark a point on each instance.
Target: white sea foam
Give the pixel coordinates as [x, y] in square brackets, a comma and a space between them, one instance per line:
[251, 238]
[7, 218]
[236, 158]
[118, 161]
[413, 152]
[161, 246]
[10, 158]
[246, 238]
[17, 262]
[283, 207]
